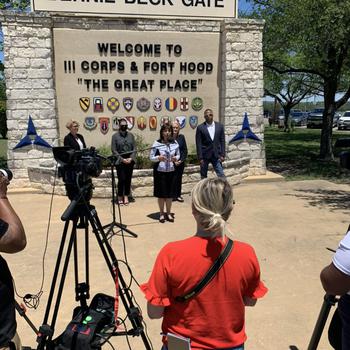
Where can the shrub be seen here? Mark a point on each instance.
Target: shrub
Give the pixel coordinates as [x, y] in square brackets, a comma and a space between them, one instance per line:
[3, 125]
[142, 154]
[192, 156]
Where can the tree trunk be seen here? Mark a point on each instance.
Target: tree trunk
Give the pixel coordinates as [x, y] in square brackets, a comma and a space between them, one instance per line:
[286, 109]
[326, 150]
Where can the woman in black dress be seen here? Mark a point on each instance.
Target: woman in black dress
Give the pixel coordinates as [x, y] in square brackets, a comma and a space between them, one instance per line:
[180, 164]
[73, 139]
[164, 153]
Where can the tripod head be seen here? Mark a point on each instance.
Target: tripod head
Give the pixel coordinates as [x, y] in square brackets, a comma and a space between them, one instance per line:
[77, 168]
[79, 202]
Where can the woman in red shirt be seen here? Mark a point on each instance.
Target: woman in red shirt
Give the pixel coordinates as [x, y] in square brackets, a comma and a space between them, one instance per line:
[213, 318]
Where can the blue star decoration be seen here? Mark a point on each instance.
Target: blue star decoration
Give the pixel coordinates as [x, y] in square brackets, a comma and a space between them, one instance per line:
[32, 138]
[245, 132]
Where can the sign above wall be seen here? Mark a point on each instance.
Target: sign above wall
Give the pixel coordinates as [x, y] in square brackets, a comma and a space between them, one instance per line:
[146, 77]
[139, 8]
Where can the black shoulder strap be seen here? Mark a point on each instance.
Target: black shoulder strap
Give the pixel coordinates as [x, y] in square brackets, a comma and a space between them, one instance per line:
[219, 262]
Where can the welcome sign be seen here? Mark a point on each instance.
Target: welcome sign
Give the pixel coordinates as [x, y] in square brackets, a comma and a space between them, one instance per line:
[103, 75]
[139, 8]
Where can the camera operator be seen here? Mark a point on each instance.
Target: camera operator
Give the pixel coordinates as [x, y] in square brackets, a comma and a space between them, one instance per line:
[12, 240]
[335, 279]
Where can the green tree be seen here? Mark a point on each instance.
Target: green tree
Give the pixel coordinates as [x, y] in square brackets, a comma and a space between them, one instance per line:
[289, 90]
[15, 5]
[312, 37]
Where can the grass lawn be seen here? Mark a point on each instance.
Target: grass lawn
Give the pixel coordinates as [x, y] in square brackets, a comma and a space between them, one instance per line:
[295, 155]
[3, 152]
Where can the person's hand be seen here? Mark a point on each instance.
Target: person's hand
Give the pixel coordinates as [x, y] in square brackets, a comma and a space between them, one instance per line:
[173, 159]
[201, 162]
[222, 159]
[3, 185]
[161, 158]
[23, 307]
[178, 162]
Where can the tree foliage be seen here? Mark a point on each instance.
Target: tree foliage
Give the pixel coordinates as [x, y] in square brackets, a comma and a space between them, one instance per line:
[311, 37]
[15, 5]
[3, 125]
[288, 89]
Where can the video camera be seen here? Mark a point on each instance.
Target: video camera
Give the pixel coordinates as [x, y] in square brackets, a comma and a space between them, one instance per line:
[76, 169]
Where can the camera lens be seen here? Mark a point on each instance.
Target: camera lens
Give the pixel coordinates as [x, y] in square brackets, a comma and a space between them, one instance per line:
[7, 173]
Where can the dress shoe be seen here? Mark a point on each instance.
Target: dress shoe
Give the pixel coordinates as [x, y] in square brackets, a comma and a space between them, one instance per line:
[170, 217]
[162, 218]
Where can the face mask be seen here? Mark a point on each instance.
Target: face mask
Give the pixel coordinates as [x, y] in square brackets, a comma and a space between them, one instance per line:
[123, 127]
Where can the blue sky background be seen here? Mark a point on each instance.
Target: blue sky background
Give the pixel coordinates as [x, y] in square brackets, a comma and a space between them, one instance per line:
[243, 5]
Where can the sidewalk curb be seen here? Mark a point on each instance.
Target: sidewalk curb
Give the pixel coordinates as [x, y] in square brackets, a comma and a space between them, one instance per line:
[268, 177]
[24, 190]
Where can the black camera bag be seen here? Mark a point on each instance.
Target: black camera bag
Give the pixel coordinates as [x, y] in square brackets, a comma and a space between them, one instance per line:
[90, 328]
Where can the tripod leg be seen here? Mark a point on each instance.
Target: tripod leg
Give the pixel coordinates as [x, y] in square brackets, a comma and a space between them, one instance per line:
[46, 330]
[329, 301]
[112, 263]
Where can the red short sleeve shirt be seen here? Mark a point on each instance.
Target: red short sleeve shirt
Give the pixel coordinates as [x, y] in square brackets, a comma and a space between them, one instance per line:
[214, 318]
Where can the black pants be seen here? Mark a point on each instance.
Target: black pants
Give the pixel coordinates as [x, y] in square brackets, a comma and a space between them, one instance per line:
[177, 182]
[344, 312]
[124, 174]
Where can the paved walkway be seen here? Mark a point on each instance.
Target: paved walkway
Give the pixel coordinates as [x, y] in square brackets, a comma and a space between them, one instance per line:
[289, 224]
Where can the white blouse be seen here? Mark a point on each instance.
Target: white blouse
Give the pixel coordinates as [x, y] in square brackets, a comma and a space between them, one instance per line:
[169, 151]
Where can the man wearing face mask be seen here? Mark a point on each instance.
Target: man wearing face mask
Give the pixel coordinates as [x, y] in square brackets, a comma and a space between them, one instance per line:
[123, 147]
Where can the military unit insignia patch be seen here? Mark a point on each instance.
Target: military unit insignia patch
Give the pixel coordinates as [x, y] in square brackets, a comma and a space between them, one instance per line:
[128, 103]
[165, 120]
[113, 104]
[98, 104]
[141, 123]
[115, 123]
[153, 122]
[104, 125]
[184, 103]
[157, 104]
[131, 122]
[84, 103]
[181, 120]
[197, 104]
[143, 104]
[193, 121]
[171, 104]
[90, 123]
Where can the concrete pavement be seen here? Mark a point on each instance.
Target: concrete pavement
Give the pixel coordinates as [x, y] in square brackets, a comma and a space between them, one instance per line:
[289, 224]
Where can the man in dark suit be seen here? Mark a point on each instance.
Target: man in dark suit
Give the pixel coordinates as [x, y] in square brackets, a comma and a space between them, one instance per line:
[210, 144]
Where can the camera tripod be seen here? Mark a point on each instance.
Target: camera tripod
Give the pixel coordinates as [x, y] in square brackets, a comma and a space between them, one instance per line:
[81, 208]
[111, 226]
[328, 302]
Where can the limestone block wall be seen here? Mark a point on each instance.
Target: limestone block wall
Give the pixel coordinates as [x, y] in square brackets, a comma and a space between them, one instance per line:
[242, 88]
[30, 89]
[142, 182]
[30, 80]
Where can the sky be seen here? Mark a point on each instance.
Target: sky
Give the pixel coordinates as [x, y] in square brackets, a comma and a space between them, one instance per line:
[243, 5]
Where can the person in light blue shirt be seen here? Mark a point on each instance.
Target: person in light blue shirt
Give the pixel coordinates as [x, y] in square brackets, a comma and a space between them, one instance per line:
[164, 153]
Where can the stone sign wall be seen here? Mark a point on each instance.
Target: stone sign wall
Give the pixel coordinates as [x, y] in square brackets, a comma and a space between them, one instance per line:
[31, 85]
[104, 75]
